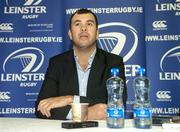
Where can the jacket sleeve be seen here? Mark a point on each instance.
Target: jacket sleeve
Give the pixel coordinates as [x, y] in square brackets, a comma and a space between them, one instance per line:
[50, 89]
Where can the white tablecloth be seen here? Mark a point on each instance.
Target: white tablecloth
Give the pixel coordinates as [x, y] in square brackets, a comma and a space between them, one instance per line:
[40, 125]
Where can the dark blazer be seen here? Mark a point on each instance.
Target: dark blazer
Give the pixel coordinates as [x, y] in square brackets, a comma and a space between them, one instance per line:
[62, 79]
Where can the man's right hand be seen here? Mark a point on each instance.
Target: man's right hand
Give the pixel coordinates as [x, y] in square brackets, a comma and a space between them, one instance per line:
[97, 112]
[46, 105]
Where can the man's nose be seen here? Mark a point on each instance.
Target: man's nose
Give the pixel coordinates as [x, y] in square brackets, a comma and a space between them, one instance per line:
[83, 28]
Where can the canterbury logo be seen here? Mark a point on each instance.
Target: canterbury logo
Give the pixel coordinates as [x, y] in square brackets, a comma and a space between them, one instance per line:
[4, 95]
[6, 26]
[159, 24]
[163, 94]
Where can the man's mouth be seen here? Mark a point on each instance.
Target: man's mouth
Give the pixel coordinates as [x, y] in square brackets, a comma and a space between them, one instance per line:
[83, 36]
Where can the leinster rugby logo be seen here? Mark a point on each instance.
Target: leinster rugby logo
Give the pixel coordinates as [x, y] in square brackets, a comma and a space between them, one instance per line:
[27, 9]
[118, 38]
[21, 67]
[175, 0]
[28, 59]
[24, 2]
[171, 60]
[168, 6]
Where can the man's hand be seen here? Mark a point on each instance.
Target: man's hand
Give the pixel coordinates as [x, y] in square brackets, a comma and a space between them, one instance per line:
[46, 105]
[97, 112]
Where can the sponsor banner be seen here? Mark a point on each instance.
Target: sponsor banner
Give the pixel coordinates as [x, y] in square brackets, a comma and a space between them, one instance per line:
[22, 72]
[164, 73]
[165, 19]
[30, 33]
[31, 18]
[166, 110]
[25, 40]
[17, 111]
[163, 54]
[171, 7]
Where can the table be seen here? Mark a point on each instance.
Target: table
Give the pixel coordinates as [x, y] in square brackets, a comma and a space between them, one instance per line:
[44, 125]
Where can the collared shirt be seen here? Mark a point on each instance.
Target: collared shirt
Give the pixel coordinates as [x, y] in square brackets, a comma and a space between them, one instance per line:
[83, 76]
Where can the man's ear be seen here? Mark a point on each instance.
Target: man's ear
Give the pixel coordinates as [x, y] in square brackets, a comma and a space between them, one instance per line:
[97, 34]
[69, 34]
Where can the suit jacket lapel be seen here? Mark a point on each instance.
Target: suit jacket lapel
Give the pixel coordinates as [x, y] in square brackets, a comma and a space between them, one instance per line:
[97, 69]
[70, 68]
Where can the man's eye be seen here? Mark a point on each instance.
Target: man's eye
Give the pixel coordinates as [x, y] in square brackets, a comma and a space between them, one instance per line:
[77, 24]
[90, 24]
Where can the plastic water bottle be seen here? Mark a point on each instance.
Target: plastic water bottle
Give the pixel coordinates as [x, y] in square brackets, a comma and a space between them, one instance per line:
[142, 106]
[115, 108]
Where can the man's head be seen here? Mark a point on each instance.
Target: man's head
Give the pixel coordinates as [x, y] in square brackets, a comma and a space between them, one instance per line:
[83, 29]
[83, 11]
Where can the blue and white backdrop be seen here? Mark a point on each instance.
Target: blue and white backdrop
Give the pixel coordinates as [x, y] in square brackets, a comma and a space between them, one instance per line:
[145, 33]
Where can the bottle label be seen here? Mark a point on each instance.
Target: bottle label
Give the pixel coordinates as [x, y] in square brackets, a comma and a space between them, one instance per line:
[142, 113]
[115, 112]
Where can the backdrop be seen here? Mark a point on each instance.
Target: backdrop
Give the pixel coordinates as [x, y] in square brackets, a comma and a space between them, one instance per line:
[145, 34]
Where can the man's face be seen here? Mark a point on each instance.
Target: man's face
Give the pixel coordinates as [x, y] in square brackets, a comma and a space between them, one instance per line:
[83, 31]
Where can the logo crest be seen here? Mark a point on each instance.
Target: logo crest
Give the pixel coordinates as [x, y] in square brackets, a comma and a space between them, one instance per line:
[113, 40]
[171, 56]
[30, 58]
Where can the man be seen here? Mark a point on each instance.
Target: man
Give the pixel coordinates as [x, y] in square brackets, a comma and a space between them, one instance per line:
[80, 74]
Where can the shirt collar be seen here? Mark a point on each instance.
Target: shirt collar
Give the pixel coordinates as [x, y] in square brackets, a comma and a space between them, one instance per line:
[90, 59]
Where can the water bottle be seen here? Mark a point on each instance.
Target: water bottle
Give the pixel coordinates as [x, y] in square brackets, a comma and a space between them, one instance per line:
[142, 106]
[115, 107]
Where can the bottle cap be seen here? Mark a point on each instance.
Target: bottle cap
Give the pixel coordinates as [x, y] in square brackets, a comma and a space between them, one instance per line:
[140, 71]
[114, 71]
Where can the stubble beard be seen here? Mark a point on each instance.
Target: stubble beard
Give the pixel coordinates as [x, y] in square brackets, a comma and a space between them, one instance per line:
[84, 47]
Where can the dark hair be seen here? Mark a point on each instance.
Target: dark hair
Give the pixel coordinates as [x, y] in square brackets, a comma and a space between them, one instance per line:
[83, 11]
